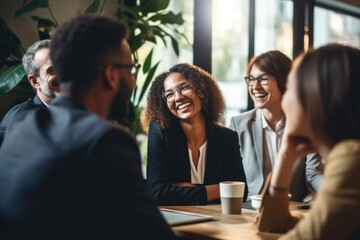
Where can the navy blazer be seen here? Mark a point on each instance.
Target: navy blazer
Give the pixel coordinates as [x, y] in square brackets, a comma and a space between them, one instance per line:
[65, 173]
[168, 163]
[18, 113]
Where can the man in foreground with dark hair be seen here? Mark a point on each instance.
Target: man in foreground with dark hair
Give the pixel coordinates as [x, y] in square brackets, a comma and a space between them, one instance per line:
[72, 174]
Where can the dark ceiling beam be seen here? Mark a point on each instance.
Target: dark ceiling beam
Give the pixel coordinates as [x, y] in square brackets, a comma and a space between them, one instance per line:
[298, 27]
[350, 7]
[202, 34]
[250, 103]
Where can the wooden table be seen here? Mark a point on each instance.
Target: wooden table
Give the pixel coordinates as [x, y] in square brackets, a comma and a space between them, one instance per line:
[224, 226]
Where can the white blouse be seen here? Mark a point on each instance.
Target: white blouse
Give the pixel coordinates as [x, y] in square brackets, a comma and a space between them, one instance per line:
[198, 173]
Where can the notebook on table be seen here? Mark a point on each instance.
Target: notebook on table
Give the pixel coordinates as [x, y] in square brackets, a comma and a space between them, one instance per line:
[174, 217]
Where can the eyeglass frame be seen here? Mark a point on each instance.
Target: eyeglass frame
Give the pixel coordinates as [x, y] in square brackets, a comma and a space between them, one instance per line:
[134, 68]
[177, 90]
[258, 79]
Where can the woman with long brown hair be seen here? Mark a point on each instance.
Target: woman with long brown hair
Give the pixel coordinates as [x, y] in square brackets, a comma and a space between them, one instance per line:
[322, 108]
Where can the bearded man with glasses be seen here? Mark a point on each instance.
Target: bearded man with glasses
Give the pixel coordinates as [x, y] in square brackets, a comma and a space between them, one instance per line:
[72, 174]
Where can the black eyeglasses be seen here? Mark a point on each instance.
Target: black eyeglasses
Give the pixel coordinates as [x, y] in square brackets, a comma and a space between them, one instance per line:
[184, 89]
[262, 80]
[134, 68]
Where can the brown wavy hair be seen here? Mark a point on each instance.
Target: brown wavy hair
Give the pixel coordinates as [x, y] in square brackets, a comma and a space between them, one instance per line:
[213, 105]
[328, 81]
[274, 63]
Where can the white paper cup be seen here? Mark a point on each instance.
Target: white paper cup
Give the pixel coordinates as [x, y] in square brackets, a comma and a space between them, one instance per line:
[232, 195]
[257, 199]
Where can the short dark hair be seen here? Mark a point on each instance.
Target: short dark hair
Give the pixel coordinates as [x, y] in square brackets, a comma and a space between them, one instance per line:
[82, 46]
[328, 81]
[274, 63]
[205, 86]
[28, 58]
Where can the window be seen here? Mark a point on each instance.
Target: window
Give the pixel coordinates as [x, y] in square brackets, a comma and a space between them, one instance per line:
[273, 26]
[331, 27]
[230, 43]
[166, 54]
[230, 36]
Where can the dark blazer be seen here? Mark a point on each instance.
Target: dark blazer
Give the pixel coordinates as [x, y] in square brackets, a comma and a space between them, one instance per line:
[168, 162]
[67, 174]
[18, 113]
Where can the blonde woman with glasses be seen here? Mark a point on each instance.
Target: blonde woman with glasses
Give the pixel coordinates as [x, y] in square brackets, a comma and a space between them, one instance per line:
[188, 152]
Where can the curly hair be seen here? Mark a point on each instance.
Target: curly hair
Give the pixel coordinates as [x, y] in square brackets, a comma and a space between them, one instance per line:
[213, 105]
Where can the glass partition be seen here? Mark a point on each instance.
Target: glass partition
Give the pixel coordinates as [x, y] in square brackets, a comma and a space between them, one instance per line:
[230, 36]
[331, 27]
[273, 26]
[230, 43]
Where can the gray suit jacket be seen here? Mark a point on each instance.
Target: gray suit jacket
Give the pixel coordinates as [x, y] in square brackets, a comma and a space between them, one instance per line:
[307, 171]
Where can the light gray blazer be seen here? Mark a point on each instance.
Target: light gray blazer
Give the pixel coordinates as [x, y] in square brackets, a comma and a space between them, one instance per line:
[307, 171]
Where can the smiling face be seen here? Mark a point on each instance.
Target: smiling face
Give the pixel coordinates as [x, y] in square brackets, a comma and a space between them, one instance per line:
[46, 83]
[266, 96]
[186, 106]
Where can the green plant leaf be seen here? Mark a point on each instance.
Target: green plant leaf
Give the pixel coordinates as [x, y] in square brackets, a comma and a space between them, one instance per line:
[148, 34]
[168, 18]
[10, 77]
[175, 45]
[160, 33]
[183, 35]
[31, 6]
[174, 42]
[147, 62]
[148, 6]
[136, 127]
[134, 93]
[133, 11]
[148, 79]
[136, 42]
[93, 7]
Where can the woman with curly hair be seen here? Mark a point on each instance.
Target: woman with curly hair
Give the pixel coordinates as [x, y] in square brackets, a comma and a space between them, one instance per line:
[188, 152]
